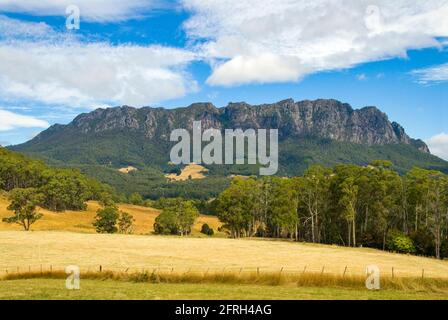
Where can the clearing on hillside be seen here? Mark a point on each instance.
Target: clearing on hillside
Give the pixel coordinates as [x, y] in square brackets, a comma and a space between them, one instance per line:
[128, 169]
[191, 171]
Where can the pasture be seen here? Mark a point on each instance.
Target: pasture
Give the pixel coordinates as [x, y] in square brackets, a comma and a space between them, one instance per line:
[81, 221]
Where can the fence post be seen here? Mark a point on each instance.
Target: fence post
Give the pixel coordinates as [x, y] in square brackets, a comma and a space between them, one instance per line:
[393, 273]
[423, 273]
[323, 269]
[304, 270]
[345, 270]
[101, 268]
[258, 271]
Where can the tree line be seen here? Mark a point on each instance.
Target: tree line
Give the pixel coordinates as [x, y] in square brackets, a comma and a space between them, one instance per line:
[349, 205]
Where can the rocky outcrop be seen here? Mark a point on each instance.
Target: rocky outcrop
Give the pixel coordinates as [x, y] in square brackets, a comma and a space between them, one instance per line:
[320, 118]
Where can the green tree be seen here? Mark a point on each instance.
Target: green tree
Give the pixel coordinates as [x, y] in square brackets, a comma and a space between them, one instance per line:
[313, 190]
[348, 201]
[106, 220]
[236, 206]
[125, 223]
[66, 190]
[177, 218]
[24, 203]
[283, 218]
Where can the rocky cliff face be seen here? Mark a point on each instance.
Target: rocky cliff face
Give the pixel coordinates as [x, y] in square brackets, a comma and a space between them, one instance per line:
[321, 118]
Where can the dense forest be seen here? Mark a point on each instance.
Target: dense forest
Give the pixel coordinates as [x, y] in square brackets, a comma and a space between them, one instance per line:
[371, 206]
[295, 156]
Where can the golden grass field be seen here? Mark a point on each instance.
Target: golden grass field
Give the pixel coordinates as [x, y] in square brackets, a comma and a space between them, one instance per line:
[76, 221]
[191, 171]
[204, 263]
[137, 252]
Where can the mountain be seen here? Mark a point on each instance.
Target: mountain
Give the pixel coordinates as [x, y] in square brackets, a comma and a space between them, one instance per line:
[327, 132]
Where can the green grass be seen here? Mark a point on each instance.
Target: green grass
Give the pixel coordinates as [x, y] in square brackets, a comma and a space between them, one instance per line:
[43, 289]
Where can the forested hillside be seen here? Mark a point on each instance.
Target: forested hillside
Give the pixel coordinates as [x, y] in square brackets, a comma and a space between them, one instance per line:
[58, 189]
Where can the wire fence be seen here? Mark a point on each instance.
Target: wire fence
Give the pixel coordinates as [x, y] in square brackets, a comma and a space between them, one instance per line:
[393, 272]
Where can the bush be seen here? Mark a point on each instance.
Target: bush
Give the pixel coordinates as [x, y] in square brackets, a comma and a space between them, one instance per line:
[176, 219]
[207, 230]
[106, 220]
[125, 223]
[399, 242]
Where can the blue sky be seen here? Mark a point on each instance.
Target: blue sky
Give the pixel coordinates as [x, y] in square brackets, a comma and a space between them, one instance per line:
[174, 53]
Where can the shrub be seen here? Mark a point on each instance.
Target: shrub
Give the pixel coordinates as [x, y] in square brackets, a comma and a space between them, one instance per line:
[399, 242]
[207, 230]
[125, 223]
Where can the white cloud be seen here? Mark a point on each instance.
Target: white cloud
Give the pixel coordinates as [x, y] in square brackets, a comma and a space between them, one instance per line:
[10, 120]
[15, 29]
[432, 74]
[439, 145]
[284, 40]
[49, 68]
[85, 74]
[91, 10]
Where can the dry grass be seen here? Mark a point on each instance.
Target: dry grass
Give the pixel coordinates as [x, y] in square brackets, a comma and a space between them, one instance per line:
[135, 253]
[191, 171]
[128, 169]
[75, 221]
[245, 278]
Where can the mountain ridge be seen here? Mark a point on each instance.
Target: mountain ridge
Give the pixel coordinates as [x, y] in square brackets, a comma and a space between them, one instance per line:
[324, 132]
[322, 118]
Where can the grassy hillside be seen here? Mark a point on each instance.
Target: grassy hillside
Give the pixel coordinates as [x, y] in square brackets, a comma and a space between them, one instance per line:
[81, 221]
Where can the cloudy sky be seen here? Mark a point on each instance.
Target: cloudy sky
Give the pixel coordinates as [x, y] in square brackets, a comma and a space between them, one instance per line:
[390, 54]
